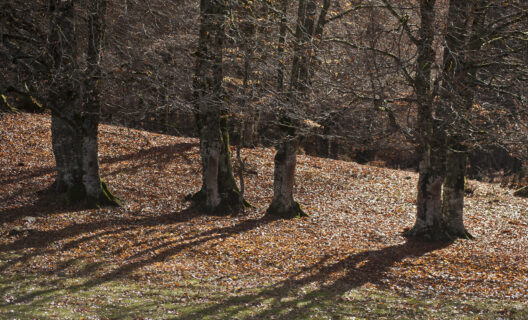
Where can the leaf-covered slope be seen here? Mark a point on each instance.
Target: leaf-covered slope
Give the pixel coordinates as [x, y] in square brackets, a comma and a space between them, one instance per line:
[352, 237]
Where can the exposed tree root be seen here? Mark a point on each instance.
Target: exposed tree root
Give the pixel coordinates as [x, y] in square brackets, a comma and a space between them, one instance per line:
[107, 198]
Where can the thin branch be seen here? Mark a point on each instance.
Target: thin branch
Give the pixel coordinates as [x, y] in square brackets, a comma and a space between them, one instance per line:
[403, 21]
[398, 61]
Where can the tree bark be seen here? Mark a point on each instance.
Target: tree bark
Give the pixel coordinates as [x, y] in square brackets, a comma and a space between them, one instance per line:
[64, 97]
[283, 205]
[453, 195]
[75, 103]
[428, 223]
[463, 40]
[92, 105]
[219, 193]
[210, 146]
[309, 28]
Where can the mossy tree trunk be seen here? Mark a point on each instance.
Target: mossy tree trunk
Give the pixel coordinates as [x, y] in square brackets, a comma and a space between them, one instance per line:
[219, 193]
[74, 100]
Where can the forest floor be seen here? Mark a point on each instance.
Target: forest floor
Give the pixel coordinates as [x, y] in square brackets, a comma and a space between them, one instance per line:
[157, 258]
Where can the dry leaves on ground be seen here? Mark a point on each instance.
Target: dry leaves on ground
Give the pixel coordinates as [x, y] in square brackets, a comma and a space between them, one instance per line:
[352, 235]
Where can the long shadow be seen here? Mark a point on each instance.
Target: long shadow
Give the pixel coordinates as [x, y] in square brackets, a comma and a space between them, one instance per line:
[152, 156]
[359, 269]
[26, 174]
[45, 204]
[41, 239]
[164, 153]
[48, 204]
[146, 257]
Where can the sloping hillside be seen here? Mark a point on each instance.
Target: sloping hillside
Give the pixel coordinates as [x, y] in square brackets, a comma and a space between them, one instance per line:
[217, 265]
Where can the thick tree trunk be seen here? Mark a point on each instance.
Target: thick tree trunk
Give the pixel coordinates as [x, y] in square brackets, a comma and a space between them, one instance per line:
[75, 118]
[66, 148]
[226, 178]
[65, 99]
[453, 195]
[57, 142]
[210, 146]
[219, 193]
[283, 205]
[428, 224]
[92, 106]
[463, 40]
[97, 192]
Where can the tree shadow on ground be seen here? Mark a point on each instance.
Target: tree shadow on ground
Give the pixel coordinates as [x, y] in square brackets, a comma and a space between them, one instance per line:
[158, 156]
[288, 300]
[25, 174]
[97, 274]
[161, 153]
[40, 240]
[47, 204]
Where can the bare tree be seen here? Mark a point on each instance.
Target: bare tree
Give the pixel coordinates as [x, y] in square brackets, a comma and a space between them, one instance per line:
[74, 101]
[308, 30]
[219, 193]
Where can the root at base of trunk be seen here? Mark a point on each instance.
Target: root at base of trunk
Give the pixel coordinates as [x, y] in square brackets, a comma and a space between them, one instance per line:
[435, 234]
[106, 198]
[279, 211]
[76, 194]
[230, 203]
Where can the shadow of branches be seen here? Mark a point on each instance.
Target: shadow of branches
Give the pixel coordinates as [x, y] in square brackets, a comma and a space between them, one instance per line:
[288, 300]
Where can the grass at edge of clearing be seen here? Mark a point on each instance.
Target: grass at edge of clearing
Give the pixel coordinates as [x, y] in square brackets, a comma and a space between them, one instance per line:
[52, 296]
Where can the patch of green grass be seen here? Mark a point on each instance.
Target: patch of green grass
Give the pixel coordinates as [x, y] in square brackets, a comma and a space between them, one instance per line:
[51, 296]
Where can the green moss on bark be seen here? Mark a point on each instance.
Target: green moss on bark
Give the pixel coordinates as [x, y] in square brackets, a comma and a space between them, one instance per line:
[295, 211]
[107, 198]
[76, 195]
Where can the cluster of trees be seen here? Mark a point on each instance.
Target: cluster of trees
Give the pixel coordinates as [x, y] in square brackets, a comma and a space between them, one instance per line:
[448, 76]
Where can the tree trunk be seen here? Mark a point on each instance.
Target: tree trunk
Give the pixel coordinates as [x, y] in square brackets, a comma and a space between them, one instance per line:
[76, 108]
[283, 205]
[219, 193]
[92, 106]
[210, 146]
[65, 99]
[453, 196]
[428, 224]
[57, 142]
[463, 40]
[431, 170]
